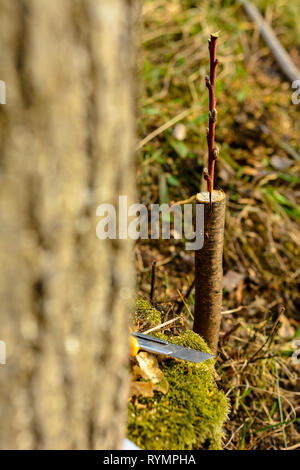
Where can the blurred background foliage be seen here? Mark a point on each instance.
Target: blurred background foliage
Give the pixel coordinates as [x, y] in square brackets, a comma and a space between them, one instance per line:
[259, 168]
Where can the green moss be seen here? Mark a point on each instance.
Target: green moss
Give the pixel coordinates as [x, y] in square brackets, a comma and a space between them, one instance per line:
[191, 415]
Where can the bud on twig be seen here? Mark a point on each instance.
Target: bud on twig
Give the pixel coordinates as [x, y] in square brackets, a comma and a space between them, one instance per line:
[216, 152]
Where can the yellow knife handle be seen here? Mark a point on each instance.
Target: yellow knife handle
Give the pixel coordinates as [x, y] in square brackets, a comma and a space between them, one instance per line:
[134, 346]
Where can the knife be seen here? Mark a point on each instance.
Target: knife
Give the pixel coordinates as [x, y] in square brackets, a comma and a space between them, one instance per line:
[158, 346]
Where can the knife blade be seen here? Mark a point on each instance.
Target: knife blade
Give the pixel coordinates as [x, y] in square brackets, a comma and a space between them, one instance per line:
[158, 346]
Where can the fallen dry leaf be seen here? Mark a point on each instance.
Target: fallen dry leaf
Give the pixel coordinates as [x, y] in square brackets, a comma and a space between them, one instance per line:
[137, 373]
[147, 369]
[286, 330]
[231, 280]
[144, 389]
[162, 386]
[280, 163]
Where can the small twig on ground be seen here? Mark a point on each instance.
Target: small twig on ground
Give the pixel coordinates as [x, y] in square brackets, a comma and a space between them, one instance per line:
[161, 263]
[229, 333]
[163, 128]
[159, 327]
[185, 201]
[295, 446]
[280, 54]
[233, 434]
[268, 341]
[234, 310]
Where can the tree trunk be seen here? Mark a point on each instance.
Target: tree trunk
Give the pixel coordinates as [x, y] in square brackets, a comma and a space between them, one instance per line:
[209, 269]
[66, 143]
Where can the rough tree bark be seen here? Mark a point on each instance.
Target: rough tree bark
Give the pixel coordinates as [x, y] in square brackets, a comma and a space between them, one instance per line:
[208, 260]
[66, 142]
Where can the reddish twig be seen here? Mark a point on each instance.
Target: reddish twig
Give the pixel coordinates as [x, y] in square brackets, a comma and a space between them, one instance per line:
[210, 83]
